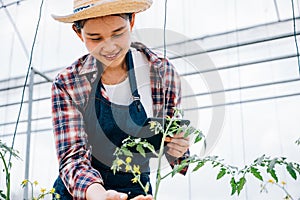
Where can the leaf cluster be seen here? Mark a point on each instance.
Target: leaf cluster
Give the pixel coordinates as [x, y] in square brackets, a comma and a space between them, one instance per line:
[238, 176]
[140, 145]
[6, 150]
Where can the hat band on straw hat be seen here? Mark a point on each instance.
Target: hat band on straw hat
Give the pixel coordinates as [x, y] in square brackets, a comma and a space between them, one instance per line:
[82, 8]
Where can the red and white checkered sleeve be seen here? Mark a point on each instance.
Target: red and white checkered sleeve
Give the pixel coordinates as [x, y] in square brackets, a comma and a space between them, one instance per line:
[173, 99]
[71, 142]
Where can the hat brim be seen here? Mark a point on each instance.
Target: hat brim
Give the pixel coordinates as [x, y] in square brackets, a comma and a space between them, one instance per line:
[107, 8]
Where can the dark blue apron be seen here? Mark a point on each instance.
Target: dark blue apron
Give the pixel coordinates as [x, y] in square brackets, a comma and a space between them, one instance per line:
[107, 125]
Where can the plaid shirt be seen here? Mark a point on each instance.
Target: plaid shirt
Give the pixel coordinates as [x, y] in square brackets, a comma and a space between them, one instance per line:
[70, 95]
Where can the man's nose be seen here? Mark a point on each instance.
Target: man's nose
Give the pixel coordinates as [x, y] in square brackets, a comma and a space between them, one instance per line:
[109, 45]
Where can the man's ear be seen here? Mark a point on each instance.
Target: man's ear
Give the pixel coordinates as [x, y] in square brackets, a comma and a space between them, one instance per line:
[77, 31]
[132, 21]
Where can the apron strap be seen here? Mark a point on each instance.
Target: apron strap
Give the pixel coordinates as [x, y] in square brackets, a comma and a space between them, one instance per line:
[98, 81]
[131, 74]
[132, 80]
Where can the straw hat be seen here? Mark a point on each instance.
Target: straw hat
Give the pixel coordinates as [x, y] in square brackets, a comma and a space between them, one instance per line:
[85, 9]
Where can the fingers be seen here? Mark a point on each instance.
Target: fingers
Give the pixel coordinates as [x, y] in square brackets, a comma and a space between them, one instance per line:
[179, 136]
[176, 151]
[142, 197]
[123, 196]
[114, 195]
[179, 140]
[178, 145]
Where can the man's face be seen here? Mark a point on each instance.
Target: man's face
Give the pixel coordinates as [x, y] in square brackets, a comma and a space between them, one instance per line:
[107, 38]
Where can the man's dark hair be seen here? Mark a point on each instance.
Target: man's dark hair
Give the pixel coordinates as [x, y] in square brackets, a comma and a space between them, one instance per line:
[80, 23]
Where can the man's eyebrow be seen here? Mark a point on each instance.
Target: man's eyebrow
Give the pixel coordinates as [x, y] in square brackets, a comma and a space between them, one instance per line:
[114, 31]
[119, 29]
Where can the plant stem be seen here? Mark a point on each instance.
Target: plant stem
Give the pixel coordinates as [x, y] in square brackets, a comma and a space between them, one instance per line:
[139, 181]
[168, 174]
[158, 178]
[158, 175]
[160, 154]
[286, 192]
[7, 177]
[31, 184]
[8, 186]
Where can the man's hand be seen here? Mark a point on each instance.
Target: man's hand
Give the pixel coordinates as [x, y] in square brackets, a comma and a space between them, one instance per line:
[142, 197]
[178, 145]
[97, 192]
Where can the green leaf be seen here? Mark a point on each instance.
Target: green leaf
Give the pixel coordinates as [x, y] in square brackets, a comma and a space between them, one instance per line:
[199, 165]
[215, 164]
[131, 144]
[273, 174]
[233, 186]
[2, 194]
[198, 138]
[127, 152]
[240, 184]
[291, 170]
[256, 173]
[272, 163]
[141, 150]
[170, 134]
[260, 160]
[221, 173]
[283, 158]
[113, 168]
[187, 132]
[178, 168]
[179, 130]
[298, 142]
[151, 147]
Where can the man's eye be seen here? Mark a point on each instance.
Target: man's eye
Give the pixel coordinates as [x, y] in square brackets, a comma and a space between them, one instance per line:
[96, 39]
[118, 35]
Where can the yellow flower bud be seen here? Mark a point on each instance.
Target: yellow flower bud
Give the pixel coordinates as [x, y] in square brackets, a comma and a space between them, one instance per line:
[52, 190]
[134, 180]
[43, 190]
[271, 181]
[128, 160]
[128, 168]
[24, 182]
[152, 124]
[136, 169]
[119, 162]
[57, 196]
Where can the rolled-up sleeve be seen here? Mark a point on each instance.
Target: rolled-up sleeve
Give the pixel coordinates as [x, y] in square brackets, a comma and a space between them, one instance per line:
[71, 142]
[173, 100]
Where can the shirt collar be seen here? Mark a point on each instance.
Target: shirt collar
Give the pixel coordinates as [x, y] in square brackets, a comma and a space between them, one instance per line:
[155, 58]
[89, 65]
